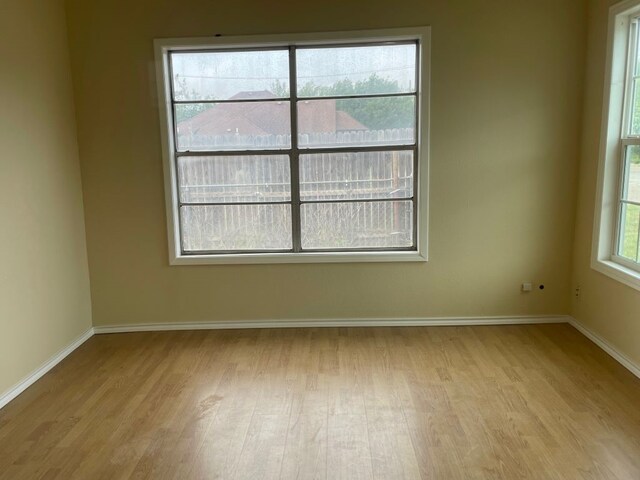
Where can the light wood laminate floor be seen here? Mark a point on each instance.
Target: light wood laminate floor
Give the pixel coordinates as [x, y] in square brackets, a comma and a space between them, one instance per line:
[507, 402]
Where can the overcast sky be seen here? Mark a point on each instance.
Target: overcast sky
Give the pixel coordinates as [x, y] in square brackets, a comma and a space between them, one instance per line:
[221, 75]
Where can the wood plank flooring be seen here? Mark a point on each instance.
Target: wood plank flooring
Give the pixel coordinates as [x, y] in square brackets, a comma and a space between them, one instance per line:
[507, 402]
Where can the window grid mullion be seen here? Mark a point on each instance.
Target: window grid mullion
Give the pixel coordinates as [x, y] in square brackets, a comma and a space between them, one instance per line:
[617, 234]
[416, 136]
[356, 96]
[286, 99]
[303, 151]
[357, 200]
[232, 153]
[223, 204]
[228, 100]
[306, 250]
[638, 240]
[296, 228]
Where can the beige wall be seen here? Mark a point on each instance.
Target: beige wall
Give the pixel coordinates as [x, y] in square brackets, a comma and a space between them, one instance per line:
[507, 95]
[44, 281]
[606, 306]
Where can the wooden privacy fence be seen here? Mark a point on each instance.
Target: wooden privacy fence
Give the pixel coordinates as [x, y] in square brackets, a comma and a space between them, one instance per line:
[231, 141]
[345, 176]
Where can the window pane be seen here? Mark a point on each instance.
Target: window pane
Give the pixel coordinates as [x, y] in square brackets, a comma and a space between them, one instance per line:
[357, 225]
[634, 31]
[355, 176]
[356, 70]
[356, 121]
[219, 179]
[635, 108]
[629, 232]
[233, 126]
[236, 227]
[631, 186]
[230, 75]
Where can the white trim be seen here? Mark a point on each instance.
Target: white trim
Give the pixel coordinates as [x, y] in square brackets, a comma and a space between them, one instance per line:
[319, 257]
[34, 376]
[382, 322]
[162, 48]
[618, 272]
[286, 39]
[168, 164]
[617, 355]
[335, 322]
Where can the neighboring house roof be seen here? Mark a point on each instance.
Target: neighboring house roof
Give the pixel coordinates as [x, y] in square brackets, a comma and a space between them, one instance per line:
[268, 118]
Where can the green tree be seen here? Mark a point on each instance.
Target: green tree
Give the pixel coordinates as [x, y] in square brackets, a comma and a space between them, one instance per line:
[374, 113]
[186, 110]
[279, 89]
[635, 125]
[634, 154]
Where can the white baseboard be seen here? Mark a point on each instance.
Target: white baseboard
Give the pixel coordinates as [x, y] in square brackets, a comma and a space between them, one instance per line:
[360, 322]
[620, 357]
[378, 322]
[30, 379]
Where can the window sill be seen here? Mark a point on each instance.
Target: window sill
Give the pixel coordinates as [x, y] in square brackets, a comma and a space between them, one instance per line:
[319, 257]
[618, 272]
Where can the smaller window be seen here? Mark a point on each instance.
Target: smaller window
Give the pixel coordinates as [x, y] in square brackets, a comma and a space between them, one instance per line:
[627, 247]
[616, 246]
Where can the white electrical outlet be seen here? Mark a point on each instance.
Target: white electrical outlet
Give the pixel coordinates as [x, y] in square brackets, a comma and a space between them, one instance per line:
[526, 287]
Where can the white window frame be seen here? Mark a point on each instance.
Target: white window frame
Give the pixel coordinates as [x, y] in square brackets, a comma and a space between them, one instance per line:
[613, 140]
[163, 47]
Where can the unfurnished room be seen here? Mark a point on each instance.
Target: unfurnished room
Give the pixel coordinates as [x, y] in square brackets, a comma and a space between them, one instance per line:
[320, 240]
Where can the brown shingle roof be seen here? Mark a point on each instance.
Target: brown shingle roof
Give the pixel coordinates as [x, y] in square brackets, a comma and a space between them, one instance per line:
[269, 117]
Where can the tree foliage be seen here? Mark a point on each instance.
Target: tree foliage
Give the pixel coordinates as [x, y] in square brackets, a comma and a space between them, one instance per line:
[374, 113]
[186, 110]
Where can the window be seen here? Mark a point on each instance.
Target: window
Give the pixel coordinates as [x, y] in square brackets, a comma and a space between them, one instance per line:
[628, 233]
[296, 149]
[616, 246]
